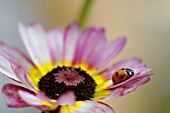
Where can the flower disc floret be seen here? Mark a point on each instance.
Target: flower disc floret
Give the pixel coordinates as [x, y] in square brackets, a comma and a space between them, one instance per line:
[63, 79]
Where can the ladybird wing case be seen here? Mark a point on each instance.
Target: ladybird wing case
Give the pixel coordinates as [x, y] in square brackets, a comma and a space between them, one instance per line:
[119, 76]
[122, 75]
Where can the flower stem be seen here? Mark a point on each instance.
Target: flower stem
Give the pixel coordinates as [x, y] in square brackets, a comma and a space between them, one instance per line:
[49, 112]
[84, 12]
[45, 112]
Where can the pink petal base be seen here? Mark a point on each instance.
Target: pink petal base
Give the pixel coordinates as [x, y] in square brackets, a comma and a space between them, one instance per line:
[12, 97]
[92, 107]
[17, 96]
[126, 88]
[33, 100]
[67, 99]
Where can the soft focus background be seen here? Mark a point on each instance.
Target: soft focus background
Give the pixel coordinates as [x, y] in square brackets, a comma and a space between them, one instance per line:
[146, 23]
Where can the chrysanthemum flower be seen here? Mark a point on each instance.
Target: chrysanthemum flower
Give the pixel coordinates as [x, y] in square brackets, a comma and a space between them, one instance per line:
[64, 75]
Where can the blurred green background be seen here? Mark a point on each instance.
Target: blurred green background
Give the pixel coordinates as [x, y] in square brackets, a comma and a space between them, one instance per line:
[146, 23]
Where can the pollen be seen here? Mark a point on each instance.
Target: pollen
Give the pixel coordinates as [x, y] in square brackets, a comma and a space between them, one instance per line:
[63, 79]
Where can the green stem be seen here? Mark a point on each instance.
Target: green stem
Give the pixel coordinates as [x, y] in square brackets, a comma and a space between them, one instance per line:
[49, 112]
[45, 112]
[84, 12]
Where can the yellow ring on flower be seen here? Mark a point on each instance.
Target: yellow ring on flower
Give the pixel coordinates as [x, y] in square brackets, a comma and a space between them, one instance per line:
[49, 105]
[71, 108]
[64, 108]
[36, 74]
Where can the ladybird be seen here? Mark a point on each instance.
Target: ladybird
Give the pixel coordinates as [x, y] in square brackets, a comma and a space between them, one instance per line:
[121, 75]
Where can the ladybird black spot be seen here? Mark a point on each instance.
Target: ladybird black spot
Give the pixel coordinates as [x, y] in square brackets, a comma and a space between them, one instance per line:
[117, 73]
[121, 77]
[113, 81]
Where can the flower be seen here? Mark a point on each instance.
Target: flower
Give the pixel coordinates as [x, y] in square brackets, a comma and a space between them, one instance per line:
[68, 71]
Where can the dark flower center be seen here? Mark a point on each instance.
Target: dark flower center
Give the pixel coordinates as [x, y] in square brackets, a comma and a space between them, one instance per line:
[63, 79]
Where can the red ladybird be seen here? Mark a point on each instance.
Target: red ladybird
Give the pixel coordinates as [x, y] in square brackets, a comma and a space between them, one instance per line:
[122, 75]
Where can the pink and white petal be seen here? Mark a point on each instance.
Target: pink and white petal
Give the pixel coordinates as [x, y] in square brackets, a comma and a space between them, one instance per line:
[123, 89]
[131, 86]
[89, 45]
[85, 107]
[138, 69]
[34, 39]
[71, 36]
[33, 100]
[5, 68]
[126, 63]
[102, 108]
[12, 97]
[91, 107]
[55, 42]
[67, 98]
[94, 56]
[146, 72]
[43, 97]
[111, 51]
[29, 98]
[81, 45]
[15, 54]
[22, 75]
